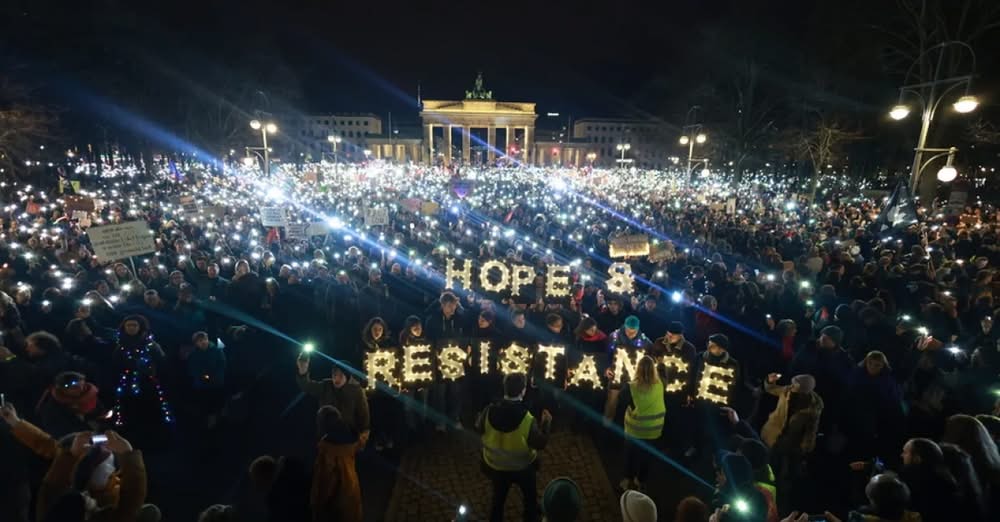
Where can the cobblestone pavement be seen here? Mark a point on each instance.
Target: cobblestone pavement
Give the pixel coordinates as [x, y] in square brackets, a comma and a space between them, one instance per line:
[444, 473]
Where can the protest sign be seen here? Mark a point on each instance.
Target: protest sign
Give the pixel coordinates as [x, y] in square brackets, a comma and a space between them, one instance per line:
[731, 206]
[629, 246]
[429, 208]
[189, 206]
[296, 230]
[78, 203]
[317, 229]
[82, 218]
[376, 216]
[112, 242]
[273, 216]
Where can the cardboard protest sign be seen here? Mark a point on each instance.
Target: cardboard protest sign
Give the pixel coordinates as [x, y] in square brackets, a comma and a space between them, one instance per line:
[112, 242]
[629, 246]
[376, 216]
[296, 230]
[273, 216]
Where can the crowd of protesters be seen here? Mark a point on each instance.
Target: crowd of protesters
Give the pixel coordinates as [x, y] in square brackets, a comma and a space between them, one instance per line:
[865, 364]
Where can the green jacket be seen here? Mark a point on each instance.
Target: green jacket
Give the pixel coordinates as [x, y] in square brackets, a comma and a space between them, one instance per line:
[349, 399]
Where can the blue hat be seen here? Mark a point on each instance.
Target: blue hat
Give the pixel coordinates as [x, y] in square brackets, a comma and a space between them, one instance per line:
[632, 322]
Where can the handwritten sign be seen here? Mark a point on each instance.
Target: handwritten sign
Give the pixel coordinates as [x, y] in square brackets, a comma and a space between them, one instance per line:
[376, 216]
[296, 230]
[122, 240]
[273, 216]
[629, 246]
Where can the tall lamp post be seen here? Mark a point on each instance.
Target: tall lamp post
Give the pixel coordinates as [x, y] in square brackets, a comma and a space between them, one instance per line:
[265, 129]
[334, 140]
[623, 148]
[930, 94]
[591, 156]
[691, 134]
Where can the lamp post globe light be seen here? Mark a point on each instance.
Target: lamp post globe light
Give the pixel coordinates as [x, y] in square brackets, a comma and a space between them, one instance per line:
[265, 129]
[930, 92]
[623, 147]
[684, 140]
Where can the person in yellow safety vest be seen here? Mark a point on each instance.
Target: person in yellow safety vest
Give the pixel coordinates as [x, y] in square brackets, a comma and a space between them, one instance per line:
[643, 420]
[511, 438]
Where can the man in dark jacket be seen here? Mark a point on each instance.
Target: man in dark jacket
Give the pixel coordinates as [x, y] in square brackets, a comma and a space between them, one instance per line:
[831, 366]
[347, 397]
[441, 326]
[511, 439]
[677, 354]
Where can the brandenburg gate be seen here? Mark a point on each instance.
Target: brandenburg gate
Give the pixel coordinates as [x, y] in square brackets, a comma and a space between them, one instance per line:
[479, 111]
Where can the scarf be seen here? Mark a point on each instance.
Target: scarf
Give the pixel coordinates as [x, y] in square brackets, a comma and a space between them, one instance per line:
[80, 403]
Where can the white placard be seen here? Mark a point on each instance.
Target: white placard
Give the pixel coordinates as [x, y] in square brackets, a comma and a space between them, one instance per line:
[273, 217]
[318, 228]
[189, 205]
[113, 242]
[731, 206]
[376, 216]
[296, 230]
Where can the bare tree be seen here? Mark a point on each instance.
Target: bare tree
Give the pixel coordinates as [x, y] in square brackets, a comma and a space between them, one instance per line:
[982, 131]
[819, 142]
[23, 125]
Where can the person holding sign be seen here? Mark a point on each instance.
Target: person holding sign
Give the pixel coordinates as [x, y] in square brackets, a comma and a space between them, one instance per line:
[628, 345]
[511, 439]
[716, 376]
[644, 416]
[382, 402]
[347, 397]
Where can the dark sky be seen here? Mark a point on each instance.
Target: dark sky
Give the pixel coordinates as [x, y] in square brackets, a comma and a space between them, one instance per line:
[579, 58]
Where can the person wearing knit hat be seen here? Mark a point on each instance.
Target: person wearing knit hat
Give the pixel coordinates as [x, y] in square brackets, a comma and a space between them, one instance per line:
[834, 333]
[791, 429]
[721, 372]
[561, 500]
[637, 507]
[677, 432]
[735, 488]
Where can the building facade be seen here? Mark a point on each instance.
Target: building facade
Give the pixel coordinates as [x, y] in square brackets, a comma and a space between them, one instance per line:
[651, 144]
[311, 134]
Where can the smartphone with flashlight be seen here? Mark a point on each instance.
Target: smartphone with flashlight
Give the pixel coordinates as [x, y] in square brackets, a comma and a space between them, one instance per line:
[98, 439]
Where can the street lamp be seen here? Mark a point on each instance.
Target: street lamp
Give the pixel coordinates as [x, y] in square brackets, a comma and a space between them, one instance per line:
[623, 147]
[692, 134]
[927, 93]
[265, 129]
[368, 153]
[591, 156]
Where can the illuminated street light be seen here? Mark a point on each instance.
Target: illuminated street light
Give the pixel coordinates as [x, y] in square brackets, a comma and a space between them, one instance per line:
[701, 138]
[947, 174]
[899, 112]
[930, 85]
[265, 129]
[684, 140]
[623, 147]
[966, 104]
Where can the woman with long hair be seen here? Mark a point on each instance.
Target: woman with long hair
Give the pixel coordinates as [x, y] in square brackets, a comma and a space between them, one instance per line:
[643, 421]
[385, 408]
[973, 504]
[966, 432]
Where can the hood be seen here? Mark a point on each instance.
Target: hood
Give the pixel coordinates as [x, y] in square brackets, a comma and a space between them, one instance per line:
[506, 416]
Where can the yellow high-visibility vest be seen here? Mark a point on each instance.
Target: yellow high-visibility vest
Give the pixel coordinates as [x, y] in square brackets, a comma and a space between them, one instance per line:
[645, 420]
[508, 451]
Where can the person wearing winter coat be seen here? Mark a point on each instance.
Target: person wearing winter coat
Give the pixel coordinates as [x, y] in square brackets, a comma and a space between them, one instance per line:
[347, 397]
[69, 405]
[873, 423]
[626, 341]
[206, 369]
[791, 429]
[336, 491]
[673, 346]
[888, 498]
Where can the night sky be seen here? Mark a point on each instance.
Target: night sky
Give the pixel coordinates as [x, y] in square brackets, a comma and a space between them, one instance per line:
[577, 58]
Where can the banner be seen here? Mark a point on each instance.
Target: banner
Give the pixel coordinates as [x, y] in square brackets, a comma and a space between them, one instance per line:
[273, 216]
[113, 242]
[629, 246]
[376, 216]
[319, 228]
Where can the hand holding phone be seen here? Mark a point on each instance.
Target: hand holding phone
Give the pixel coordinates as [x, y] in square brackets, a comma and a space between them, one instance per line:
[98, 439]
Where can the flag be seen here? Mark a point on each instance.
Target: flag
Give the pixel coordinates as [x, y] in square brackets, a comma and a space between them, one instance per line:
[898, 213]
